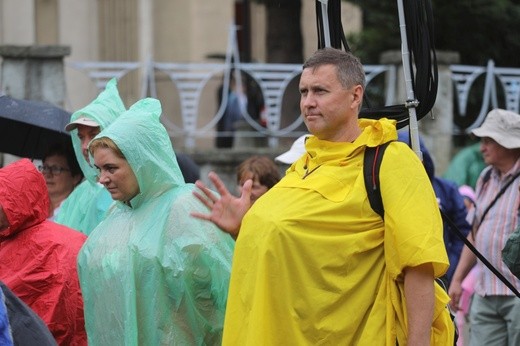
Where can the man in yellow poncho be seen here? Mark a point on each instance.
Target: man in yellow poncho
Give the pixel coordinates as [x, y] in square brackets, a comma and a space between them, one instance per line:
[313, 263]
[149, 273]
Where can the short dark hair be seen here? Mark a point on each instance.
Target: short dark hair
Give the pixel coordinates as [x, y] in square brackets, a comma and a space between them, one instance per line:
[64, 149]
[349, 69]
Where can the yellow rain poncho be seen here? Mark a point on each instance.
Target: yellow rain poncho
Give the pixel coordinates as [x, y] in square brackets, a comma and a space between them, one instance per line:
[315, 265]
[86, 206]
[151, 274]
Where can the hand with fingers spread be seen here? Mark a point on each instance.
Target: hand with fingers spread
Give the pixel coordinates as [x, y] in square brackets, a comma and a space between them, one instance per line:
[227, 210]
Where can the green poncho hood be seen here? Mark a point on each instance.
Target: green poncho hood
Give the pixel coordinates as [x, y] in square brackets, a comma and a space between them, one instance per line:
[103, 110]
[153, 162]
[86, 206]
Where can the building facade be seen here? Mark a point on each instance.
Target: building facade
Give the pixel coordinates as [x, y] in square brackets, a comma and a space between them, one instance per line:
[140, 31]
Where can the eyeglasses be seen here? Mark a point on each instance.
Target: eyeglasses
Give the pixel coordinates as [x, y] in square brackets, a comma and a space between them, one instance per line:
[54, 170]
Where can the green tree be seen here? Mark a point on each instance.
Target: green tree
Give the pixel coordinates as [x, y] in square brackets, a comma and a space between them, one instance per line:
[478, 29]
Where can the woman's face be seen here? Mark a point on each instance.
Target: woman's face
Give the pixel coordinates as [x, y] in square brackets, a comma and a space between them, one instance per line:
[116, 175]
[59, 179]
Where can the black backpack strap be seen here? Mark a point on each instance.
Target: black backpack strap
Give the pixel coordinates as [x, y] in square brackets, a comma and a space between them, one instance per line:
[481, 257]
[371, 167]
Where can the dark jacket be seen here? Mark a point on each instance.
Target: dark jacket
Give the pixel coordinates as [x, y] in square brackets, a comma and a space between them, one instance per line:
[27, 328]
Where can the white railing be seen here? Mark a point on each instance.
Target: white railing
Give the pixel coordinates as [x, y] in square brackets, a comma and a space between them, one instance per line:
[464, 78]
[190, 79]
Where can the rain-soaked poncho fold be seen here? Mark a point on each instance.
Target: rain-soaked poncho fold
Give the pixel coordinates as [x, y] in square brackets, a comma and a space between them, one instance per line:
[151, 274]
[86, 206]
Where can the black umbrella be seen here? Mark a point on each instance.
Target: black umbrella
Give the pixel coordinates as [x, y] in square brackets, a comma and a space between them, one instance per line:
[28, 128]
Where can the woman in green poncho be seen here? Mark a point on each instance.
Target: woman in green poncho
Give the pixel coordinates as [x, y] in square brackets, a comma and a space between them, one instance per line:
[150, 273]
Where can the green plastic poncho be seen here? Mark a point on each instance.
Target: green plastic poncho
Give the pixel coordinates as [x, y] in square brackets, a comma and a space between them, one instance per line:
[150, 273]
[466, 166]
[86, 206]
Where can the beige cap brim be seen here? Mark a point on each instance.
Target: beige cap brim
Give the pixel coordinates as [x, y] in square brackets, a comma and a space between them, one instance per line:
[81, 121]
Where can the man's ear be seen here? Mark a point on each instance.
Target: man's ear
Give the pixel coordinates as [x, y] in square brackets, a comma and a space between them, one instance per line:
[357, 96]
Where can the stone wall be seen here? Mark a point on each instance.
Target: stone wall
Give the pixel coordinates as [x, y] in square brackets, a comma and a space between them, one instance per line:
[34, 72]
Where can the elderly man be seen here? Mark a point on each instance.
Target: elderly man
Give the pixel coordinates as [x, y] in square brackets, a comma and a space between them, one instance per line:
[495, 311]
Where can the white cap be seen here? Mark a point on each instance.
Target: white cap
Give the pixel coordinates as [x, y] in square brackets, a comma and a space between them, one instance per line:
[293, 154]
[83, 120]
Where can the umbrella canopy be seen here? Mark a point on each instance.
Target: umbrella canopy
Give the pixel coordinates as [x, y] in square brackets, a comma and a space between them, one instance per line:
[28, 127]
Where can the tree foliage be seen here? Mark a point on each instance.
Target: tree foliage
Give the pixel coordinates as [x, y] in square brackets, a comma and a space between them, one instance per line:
[478, 29]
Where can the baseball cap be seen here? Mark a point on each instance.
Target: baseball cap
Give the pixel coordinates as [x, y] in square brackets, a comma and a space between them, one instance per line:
[502, 126]
[294, 153]
[82, 120]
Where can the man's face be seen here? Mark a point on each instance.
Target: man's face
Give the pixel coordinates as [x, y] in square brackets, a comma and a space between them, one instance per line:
[493, 153]
[4, 223]
[329, 110]
[85, 135]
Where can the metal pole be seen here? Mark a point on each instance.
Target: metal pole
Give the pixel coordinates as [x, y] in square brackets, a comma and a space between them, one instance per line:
[325, 20]
[411, 102]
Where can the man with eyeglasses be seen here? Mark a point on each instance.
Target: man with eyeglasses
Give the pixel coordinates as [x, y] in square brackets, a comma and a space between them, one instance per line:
[86, 206]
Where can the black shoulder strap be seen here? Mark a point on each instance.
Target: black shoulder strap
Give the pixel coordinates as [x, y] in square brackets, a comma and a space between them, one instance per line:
[481, 257]
[493, 202]
[371, 167]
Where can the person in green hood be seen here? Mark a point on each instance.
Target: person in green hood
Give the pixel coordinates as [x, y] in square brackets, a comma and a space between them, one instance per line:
[150, 273]
[86, 206]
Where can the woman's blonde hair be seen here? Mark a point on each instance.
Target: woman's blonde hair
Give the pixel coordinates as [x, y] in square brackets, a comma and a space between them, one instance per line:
[105, 143]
